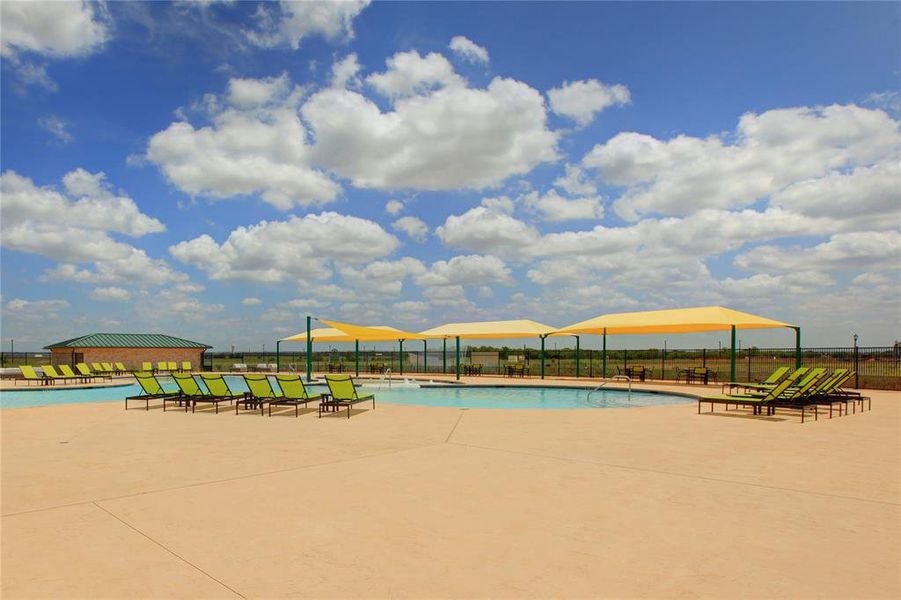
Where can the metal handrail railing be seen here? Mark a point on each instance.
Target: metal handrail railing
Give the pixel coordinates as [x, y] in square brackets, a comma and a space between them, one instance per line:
[614, 378]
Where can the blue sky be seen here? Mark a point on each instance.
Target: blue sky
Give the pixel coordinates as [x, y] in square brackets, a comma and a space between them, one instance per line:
[219, 170]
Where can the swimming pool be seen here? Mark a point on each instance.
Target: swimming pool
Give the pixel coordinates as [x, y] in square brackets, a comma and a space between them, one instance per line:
[439, 395]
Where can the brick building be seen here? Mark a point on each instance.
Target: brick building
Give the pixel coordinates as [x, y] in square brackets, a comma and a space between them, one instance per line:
[129, 348]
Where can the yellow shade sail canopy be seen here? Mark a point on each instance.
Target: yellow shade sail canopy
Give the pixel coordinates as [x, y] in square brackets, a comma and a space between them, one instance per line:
[377, 333]
[322, 334]
[490, 330]
[677, 320]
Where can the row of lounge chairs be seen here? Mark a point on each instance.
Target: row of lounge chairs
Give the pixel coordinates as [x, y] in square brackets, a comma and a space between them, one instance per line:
[167, 367]
[802, 389]
[215, 390]
[50, 376]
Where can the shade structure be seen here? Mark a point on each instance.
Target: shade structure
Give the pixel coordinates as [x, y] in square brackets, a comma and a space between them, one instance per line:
[377, 333]
[680, 320]
[520, 328]
[321, 334]
[677, 320]
[491, 330]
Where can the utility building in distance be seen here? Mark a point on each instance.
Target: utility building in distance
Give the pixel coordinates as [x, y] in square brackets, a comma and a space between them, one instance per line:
[129, 348]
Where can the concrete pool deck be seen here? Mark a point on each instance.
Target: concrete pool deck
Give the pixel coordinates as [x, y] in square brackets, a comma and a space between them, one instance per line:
[408, 501]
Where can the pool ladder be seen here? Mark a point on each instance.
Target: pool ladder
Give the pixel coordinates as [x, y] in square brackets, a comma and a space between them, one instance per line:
[387, 375]
[614, 378]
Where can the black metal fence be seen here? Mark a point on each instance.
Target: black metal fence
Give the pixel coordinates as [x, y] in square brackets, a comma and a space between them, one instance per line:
[876, 367]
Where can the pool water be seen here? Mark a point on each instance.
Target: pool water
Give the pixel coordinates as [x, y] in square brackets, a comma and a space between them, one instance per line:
[455, 396]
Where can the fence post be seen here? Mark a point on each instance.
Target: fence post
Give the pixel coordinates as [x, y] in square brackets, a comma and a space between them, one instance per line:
[663, 364]
[309, 348]
[577, 357]
[604, 356]
[732, 357]
[856, 367]
[458, 358]
[625, 359]
[704, 357]
[542, 356]
[749, 365]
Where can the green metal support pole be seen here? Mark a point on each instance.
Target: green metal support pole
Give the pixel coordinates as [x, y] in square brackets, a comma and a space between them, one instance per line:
[401, 356]
[458, 358]
[604, 355]
[797, 347]
[309, 348]
[732, 357]
[542, 356]
[278, 361]
[444, 356]
[425, 356]
[357, 357]
[577, 356]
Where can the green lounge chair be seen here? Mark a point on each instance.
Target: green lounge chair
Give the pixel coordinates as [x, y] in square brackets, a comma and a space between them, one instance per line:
[343, 392]
[186, 366]
[152, 390]
[261, 393]
[768, 383]
[29, 375]
[781, 396]
[162, 367]
[294, 393]
[50, 371]
[120, 368]
[67, 371]
[850, 395]
[108, 368]
[172, 366]
[194, 394]
[147, 367]
[828, 392]
[83, 369]
[218, 386]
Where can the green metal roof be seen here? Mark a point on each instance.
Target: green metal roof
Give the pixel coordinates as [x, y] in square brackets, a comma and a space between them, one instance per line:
[127, 340]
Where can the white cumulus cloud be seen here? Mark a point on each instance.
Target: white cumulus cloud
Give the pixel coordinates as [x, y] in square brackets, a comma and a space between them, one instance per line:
[582, 100]
[53, 29]
[301, 248]
[767, 153]
[554, 207]
[394, 207]
[256, 146]
[468, 50]
[409, 74]
[414, 227]
[454, 137]
[72, 226]
[289, 22]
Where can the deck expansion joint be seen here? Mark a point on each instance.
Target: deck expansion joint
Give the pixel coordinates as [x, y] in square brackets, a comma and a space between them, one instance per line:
[169, 550]
[454, 428]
